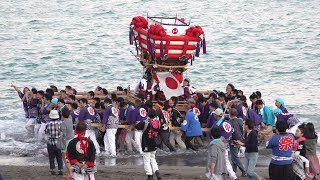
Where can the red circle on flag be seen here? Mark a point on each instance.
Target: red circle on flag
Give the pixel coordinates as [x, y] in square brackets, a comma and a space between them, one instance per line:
[171, 83]
[179, 77]
[174, 31]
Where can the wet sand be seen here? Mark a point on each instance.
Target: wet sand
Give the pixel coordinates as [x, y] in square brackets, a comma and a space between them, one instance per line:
[114, 173]
[186, 166]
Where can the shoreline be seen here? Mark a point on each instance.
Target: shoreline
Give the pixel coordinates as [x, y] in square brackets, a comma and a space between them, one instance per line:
[117, 172]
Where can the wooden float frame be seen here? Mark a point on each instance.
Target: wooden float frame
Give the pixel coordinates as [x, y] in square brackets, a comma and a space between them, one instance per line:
[100, 126]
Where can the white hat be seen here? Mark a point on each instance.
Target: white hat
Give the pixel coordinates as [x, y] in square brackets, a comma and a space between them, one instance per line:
[218, 112]
[54, 114]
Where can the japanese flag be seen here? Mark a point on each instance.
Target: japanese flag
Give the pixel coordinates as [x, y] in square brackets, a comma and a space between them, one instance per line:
[169, 84]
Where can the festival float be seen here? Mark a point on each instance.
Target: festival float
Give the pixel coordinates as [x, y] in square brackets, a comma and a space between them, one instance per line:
[165, 47]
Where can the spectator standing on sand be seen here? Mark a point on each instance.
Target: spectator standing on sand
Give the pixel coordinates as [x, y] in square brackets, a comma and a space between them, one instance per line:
[226, 131]
[237, 135]
[67, 136]
[216, 162]
[53, 129]
[251, 152]
[300, 164]
[311, 148]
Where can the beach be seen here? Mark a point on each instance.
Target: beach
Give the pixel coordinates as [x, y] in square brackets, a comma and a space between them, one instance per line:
[178, 165]
[118, 172]
[270, 46]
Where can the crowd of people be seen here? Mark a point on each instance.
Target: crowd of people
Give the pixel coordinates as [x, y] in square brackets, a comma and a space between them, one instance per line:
[82, 127]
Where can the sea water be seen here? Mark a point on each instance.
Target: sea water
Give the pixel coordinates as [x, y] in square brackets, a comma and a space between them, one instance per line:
[270, 46]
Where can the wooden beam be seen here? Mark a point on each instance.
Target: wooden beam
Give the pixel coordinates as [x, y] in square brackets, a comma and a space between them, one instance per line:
[97, 125]
[167, 67]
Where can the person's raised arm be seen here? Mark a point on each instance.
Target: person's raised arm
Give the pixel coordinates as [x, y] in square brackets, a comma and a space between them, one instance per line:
[16, 89]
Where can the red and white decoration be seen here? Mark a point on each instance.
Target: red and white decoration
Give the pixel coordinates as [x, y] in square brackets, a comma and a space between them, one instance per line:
[143, 112]
[114, 111]
[169, 84]
[196, 111]
[166, 116]
[170, 36]
[179, 77]
[91, 111]
[227, 127]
